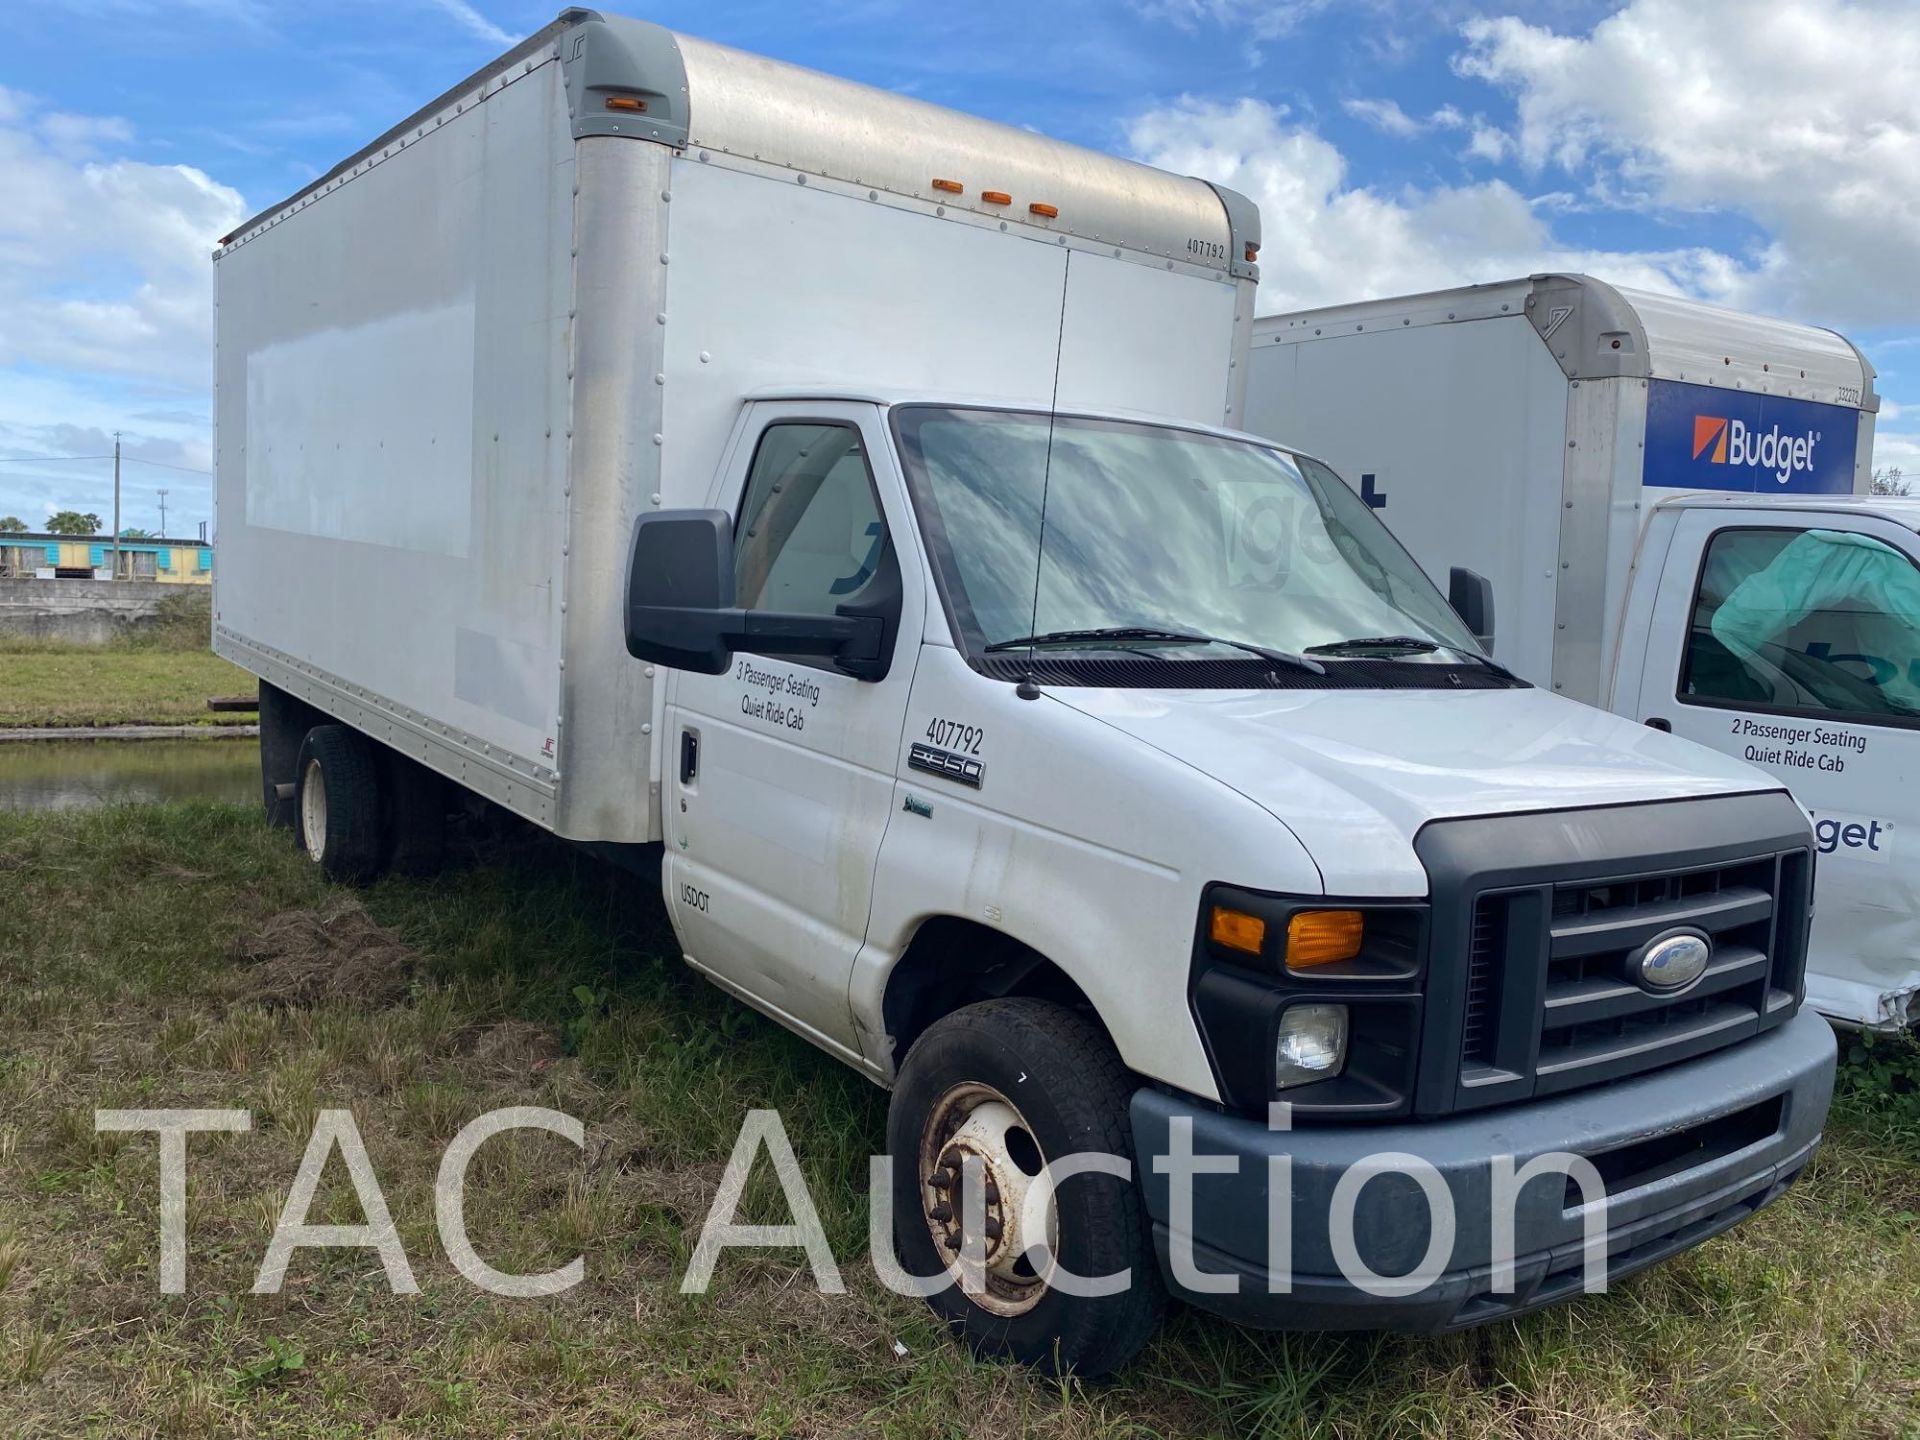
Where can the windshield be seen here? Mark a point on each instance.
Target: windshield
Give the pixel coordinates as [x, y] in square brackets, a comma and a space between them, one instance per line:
[1152, 528]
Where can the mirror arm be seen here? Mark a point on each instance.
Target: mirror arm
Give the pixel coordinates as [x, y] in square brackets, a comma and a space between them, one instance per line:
[856, 637]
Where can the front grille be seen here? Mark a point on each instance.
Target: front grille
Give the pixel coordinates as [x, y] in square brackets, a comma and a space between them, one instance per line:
[1550, 1003]
[1485, 947]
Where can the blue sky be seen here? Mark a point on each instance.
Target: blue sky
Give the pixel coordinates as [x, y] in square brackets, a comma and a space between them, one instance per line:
[1760, 153]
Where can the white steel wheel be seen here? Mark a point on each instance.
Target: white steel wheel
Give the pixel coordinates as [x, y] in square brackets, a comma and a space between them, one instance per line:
[974, 1135]
[991, 1101]
[313, 811]
[337, 804]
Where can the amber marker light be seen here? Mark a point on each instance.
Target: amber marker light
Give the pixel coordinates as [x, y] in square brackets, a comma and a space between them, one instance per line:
[1040, 207]
[952, 187]
[1237, 930]
[625, 102]
[996, 197]
[1323, 937]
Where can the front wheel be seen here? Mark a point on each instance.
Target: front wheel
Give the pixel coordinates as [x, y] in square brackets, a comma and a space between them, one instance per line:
[994, 1094]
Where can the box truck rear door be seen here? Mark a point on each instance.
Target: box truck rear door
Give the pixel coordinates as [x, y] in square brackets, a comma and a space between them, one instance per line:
[782, 769]
[1791, 638]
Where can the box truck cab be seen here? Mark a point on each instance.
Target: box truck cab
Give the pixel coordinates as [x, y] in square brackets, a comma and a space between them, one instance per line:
[1671, 502]
[821, 500]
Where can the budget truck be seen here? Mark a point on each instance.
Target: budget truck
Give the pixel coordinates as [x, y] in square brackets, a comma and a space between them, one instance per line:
[828, 504]
[1673, 504]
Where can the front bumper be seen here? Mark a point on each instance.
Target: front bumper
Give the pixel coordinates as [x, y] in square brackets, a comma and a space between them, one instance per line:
[1686, 1152]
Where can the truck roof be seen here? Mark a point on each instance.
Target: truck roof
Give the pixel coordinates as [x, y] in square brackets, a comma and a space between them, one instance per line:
[1596, 330]
[1902, 510]
[698, 96]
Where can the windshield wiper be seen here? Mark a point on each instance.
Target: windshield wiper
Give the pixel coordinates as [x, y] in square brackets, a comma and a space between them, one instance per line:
[1361, 644]
[1149, 635]
[1375, 642]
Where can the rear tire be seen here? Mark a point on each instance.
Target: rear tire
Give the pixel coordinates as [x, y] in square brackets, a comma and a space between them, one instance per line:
[336, 804]
[1044, 1078]
[416, 816]
[284, 722]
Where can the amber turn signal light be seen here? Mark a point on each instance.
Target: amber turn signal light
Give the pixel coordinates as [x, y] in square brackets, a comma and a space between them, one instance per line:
[1323, 937]
[1237, 930]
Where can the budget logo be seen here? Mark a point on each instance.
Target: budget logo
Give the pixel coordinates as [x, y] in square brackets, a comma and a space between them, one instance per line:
[1710, 430]
[1721, 441]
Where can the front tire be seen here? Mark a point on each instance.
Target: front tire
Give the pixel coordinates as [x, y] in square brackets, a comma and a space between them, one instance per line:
[336, 804]
[1012, 1086]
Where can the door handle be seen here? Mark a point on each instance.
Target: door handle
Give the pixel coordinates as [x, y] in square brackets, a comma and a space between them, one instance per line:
[689, 756]
[1661, 723]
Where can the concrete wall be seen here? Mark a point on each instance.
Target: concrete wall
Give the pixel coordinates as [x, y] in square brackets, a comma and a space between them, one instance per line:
[88, 612]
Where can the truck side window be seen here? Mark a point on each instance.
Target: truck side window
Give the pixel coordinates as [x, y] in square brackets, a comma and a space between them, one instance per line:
[810, 535]
[1806, 622]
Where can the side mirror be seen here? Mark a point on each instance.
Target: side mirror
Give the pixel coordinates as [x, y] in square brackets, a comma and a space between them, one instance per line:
[1471, 596]
[681, 611]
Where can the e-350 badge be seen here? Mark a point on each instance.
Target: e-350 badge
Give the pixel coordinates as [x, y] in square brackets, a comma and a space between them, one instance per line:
[963, 769]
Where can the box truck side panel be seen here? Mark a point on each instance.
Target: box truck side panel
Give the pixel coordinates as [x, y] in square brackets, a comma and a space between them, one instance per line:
[1702, 437]
[1456, 433]
[1123, 319]
[391, 446]
[776, 285]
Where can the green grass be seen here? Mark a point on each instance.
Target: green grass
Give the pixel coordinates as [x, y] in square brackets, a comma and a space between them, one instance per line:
[132, 682]
[138, 967]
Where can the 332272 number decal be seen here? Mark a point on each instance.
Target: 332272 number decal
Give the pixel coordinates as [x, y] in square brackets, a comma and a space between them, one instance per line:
[954, 735]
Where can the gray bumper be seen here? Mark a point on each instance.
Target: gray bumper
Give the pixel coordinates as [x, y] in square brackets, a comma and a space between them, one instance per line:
[1686, 1152]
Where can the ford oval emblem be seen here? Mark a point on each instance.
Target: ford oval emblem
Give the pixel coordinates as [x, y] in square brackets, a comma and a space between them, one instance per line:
[1673, 962]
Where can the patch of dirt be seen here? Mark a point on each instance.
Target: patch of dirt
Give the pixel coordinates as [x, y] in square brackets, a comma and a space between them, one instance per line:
[517, 1047]
[304, 957]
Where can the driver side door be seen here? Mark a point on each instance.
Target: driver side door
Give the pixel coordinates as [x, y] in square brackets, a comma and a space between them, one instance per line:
[781, 771]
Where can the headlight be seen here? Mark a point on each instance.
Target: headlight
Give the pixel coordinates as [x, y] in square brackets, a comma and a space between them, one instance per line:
[1313, 998]
[1311, 1044]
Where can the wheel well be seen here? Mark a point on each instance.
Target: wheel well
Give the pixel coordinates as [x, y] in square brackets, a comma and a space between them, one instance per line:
[952, 962]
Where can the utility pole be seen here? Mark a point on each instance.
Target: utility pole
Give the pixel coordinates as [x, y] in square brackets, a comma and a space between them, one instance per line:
[116, 505]
[163, 514]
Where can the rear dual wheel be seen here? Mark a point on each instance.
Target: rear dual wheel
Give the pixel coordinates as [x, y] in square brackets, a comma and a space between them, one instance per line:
[359, 809]
[336, 804]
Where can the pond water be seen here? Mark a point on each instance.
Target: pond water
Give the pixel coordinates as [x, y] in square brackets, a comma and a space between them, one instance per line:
[74, 774]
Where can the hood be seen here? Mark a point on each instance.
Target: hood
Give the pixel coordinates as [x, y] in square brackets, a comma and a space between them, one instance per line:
[1356, 773]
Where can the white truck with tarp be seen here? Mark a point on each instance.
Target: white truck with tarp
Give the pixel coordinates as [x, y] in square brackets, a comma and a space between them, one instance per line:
[1673, 504]
[819, 501]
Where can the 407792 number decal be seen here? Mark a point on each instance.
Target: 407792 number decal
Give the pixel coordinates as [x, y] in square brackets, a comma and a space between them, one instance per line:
[953, 735]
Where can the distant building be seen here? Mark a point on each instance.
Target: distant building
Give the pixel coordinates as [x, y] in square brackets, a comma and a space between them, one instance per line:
[90, 557]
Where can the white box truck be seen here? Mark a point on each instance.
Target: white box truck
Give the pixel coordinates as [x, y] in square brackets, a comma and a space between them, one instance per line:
[1672, 503]
[821, 497]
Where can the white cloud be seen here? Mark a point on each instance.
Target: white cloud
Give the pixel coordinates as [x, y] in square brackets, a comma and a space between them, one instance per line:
[1801, 115]
[104, 262]
[81, 136]
[1897, 451]
[1488, 143]
[470, 18]
[1328, 241]
[1262, 19]
[1386, 116]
